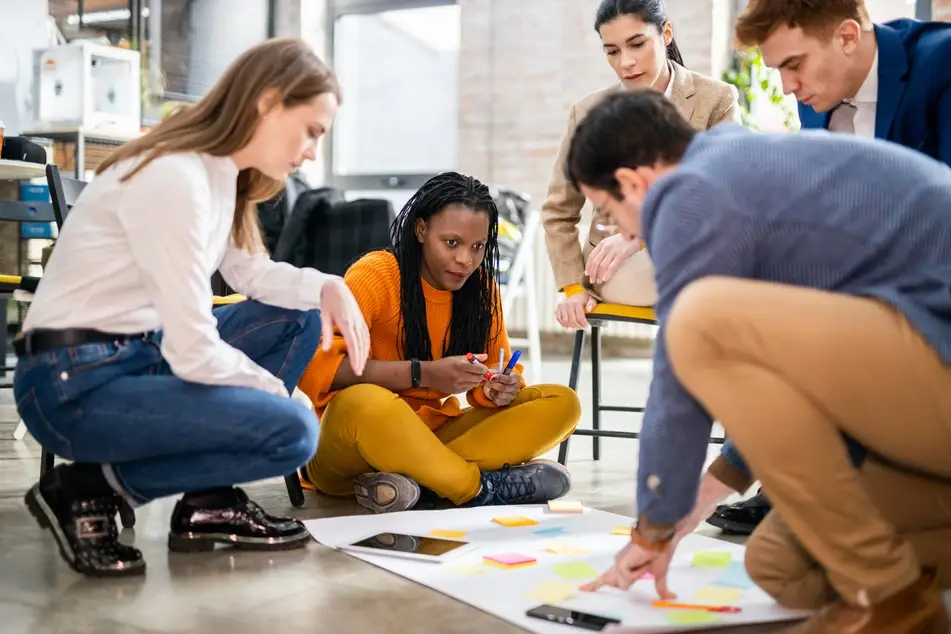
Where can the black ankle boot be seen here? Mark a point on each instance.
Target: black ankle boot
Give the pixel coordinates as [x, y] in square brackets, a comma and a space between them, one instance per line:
[743, 517]
[83, 522]
[200, 522]
[534, 482]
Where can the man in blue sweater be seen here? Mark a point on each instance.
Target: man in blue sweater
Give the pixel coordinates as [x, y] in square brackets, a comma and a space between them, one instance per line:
[888, 81]
[804, 287]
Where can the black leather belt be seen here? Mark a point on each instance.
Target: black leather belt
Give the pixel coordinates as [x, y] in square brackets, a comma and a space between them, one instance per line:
[40, 340]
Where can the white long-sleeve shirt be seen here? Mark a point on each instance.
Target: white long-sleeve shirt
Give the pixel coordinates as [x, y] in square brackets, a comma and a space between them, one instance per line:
[139, 256]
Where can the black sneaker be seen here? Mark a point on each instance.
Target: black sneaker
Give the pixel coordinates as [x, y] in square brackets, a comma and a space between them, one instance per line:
[534, 482]
[741, 518]
[386, 492]
[242, 524]
[85, 529]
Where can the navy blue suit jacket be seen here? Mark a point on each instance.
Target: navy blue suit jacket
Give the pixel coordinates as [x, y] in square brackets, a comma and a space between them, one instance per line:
[914, 110]
[914, 88]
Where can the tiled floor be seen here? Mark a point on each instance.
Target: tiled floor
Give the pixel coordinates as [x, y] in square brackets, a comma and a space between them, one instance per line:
[315, 590]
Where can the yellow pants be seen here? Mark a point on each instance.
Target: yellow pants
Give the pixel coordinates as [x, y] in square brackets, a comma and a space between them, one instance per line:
[367, 428]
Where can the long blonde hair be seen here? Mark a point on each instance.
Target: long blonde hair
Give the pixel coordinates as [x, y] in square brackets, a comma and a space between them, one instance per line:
[224, 121]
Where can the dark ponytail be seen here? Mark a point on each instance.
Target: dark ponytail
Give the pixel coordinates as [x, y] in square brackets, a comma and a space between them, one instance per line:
[648, 11]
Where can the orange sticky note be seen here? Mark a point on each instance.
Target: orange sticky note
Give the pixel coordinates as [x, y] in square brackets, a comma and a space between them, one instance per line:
[512, 521]
[621, 530]
[558, 506]
[439, 532]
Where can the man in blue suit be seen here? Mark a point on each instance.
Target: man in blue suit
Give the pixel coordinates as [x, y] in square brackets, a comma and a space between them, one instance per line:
[888, 81]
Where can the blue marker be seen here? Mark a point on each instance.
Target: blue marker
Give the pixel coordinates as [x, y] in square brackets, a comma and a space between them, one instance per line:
[512, 362]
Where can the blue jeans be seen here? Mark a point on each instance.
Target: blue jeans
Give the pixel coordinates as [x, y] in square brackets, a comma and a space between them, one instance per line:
[157, 435]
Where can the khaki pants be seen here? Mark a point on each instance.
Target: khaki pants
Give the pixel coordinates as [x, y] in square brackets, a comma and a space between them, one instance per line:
[920, 510]
[785, 370]
[632, 284]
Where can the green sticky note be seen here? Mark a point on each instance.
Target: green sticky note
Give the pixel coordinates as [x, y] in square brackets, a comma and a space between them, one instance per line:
[691, 617]
[712, 559]
[575, 570]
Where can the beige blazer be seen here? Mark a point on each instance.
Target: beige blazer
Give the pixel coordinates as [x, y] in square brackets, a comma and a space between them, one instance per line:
[703, 101]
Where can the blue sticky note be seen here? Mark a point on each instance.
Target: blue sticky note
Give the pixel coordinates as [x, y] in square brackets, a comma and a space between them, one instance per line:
[549, 530]
[734, 576]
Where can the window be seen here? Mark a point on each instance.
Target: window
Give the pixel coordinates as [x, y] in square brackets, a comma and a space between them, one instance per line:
[398, 70]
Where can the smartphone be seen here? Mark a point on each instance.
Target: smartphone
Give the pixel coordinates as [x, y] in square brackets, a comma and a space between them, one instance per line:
[417, 547]
[573, 618]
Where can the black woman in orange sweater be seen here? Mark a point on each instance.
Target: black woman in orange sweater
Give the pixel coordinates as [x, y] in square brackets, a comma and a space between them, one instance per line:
[399, 428]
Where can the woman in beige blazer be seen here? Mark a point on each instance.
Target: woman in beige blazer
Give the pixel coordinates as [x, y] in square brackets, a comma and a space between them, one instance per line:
[638, 41]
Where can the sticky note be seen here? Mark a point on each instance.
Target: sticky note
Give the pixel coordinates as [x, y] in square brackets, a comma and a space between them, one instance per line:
[691, 617]
[552, 592]
[712, 559]
[646, 577]
[713, 595]
[468, 570]
[558, 506]
[439, 532]
[564, 548]
[621, 530]
[575, 571]
[734, 576]
[511, 521]
[509, 560]
[549, 530]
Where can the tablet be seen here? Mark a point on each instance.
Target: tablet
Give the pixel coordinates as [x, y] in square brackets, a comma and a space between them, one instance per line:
[432, 549]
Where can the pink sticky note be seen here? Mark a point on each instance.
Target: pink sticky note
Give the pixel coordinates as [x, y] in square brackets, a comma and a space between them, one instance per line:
[509, 559]
[646, 577]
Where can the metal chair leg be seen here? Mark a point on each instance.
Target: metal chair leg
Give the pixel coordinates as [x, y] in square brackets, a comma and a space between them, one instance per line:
[573, 377]
[595, 390]
[294, 490]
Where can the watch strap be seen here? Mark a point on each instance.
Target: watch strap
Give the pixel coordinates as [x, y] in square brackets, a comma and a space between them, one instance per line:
[416, 372]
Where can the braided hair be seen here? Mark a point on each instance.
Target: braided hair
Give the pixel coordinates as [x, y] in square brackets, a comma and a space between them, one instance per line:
[474, 305]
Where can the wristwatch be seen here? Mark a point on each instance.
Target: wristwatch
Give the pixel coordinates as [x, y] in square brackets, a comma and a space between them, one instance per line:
[416, 372]
[652, 537]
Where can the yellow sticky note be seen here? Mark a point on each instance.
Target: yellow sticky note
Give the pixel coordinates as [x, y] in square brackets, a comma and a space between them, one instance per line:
[575, 571]
[564, 548]
[468, 570]
[560, 506]
[715, 595]
[621, 530]
[552, 592]
[447, 534]
[512, 521]
[712, 559]
[691, 617]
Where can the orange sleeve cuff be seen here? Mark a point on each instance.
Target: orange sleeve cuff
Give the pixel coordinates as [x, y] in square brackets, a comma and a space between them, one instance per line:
[320, 373]
[572, 289]
[476, 398]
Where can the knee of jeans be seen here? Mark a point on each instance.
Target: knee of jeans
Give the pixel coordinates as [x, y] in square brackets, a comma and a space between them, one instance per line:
[311, 322]
[300, 426]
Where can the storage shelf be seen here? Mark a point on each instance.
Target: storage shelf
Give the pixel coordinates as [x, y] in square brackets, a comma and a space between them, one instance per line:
[20, 170]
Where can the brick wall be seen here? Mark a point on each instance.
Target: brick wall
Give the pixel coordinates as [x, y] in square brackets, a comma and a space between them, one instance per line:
[523, 63]
[941, 10]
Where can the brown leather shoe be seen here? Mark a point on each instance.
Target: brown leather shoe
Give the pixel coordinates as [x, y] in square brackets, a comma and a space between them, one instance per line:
[918, 609]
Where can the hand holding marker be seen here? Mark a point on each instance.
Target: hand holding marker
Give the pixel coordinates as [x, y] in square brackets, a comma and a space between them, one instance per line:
[488, 375]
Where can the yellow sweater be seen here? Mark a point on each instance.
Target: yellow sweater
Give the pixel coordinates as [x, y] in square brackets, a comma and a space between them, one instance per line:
[375, 283]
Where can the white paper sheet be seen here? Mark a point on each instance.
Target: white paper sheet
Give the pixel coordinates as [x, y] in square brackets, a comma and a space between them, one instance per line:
[504, 593]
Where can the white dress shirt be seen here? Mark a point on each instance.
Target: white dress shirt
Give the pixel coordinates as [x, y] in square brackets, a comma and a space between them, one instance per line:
[139, 256]
[861, 119]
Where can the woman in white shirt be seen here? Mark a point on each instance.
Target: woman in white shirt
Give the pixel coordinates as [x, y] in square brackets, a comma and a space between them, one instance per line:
[125, 369]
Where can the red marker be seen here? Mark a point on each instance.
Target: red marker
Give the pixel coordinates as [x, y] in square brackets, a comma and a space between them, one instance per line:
[721, 609]
[487, 375]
